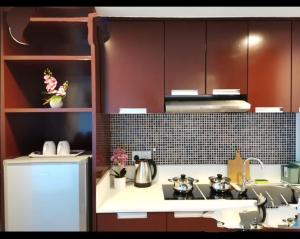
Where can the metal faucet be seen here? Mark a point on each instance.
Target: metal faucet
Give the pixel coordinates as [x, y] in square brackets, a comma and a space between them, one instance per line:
[244, 179]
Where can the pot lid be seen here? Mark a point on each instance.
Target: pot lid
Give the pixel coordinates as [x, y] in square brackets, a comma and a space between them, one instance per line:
[219, 179]
[182, 178]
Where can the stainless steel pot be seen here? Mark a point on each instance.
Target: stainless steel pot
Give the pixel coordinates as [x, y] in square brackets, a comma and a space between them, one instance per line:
[183, 184]
[220, 184]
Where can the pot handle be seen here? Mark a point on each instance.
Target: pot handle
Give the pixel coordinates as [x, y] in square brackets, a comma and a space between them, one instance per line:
[170, 180]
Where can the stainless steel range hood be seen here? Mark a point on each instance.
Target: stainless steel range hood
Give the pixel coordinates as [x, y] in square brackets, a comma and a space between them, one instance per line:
[206, 103]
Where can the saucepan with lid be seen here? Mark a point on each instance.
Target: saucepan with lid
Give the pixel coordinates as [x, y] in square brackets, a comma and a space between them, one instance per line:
[220, 184]
[183, 184]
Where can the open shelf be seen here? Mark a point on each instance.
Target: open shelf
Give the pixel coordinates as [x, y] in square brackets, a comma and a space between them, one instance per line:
[50, 36]
[59, 19]
[47, 110]
[25, 86]
[45, 58]
[26, 133]
[57, 39]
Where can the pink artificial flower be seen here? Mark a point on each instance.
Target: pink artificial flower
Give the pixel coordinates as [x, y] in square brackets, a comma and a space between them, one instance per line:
[119, 157]
[51, 83]
[50, 87]
[46, 77]
[61, 91]
[49, 79]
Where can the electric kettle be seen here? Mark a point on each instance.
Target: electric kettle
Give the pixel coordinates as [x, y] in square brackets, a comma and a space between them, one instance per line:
[143, 173]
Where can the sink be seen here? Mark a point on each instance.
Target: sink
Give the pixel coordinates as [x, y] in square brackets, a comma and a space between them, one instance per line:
[280, 206]
[273, 193]
[276, 194]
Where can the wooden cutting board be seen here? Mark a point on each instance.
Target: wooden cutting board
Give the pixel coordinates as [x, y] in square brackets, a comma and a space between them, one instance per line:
[235, 169]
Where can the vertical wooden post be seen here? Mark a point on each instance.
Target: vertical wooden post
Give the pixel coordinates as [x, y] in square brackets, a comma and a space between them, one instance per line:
[1, 124]
[93, 44]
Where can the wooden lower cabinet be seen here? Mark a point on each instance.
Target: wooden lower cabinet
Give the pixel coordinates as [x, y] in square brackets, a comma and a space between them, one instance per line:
[109, 222]
[199, 224]
[157, 221]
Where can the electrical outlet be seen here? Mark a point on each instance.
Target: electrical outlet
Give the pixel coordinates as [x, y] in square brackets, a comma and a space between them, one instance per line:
[141, 154]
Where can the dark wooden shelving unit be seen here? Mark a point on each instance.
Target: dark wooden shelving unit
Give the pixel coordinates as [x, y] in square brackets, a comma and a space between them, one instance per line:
[22, 80]
[66, 45]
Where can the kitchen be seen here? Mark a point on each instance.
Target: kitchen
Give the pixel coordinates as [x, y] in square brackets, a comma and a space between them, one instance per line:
[155, 89]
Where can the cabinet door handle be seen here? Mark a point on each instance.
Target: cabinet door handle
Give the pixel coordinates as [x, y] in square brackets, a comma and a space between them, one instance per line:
[184, 92]
[131, 215]
[226, 91]
[133, 111]
[268, 109]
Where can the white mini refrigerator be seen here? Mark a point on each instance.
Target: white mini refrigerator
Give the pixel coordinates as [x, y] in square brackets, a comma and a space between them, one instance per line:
[46, 194]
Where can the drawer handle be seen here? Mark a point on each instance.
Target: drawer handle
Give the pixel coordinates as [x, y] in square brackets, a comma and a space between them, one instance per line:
[189, 214]
[131, 215]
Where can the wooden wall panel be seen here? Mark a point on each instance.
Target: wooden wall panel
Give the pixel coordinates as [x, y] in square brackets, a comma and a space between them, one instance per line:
[226, 56]
[184, 55]
[295, 66]
[1, 126]
[100, 121]
[269, 69]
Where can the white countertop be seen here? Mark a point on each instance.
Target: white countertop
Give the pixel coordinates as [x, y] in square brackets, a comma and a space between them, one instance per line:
[133, 199]
[133, 202]
[151, 199]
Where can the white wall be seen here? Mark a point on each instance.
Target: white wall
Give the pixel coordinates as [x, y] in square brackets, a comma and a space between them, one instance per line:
[204, 12]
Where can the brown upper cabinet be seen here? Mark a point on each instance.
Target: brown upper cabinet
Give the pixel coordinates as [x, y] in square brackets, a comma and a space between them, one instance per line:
[134, 66]
[295, 66]
[145, 59]
[204, 61]
[184, 55]
[226, 57]
[269, 68]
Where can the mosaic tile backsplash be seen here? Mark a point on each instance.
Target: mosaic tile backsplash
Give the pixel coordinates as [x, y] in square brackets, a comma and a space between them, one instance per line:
[207, 138]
